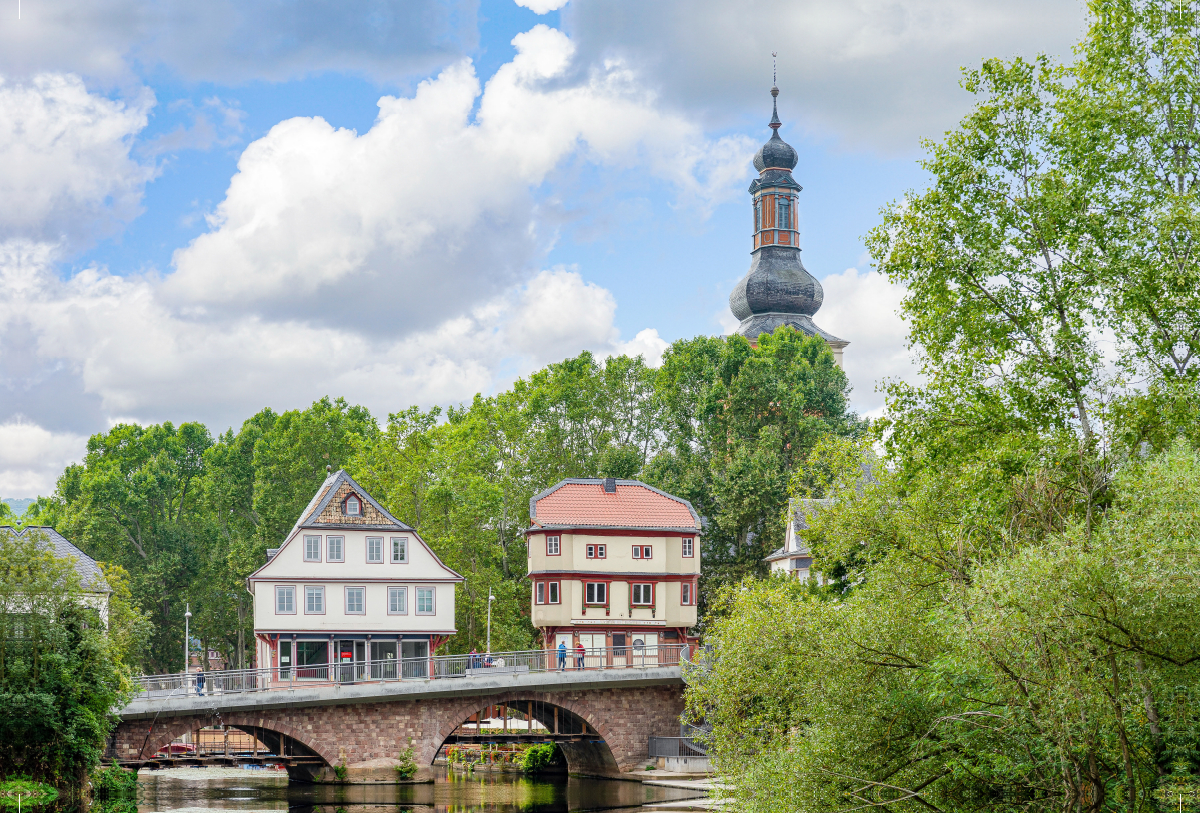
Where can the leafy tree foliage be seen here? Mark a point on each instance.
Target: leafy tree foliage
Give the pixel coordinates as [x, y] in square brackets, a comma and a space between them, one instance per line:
[62, 670]
[1010, 626]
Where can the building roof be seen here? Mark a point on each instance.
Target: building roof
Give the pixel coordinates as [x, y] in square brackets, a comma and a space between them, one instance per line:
[777, 290]
[583, 503]
[324, 509]
[90, 574]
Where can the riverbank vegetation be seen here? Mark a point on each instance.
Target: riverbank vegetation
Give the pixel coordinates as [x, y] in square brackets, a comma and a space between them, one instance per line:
[1010, 621]
[62, 663]
[189, 515]
[21, 792]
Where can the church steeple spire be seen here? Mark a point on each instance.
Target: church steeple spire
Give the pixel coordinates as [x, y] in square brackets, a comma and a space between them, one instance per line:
[777, 290]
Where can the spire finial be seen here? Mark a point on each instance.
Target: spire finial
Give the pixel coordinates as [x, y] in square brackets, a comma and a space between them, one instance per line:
[775, 122]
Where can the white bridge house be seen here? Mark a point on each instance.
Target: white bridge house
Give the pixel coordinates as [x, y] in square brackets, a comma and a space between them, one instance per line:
[352, 593]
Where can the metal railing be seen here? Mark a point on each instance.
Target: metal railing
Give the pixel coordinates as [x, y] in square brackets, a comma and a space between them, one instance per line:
[439, 667]
[676, 747]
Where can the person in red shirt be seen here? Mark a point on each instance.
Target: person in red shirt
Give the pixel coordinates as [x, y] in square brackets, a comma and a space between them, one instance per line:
[579, 653]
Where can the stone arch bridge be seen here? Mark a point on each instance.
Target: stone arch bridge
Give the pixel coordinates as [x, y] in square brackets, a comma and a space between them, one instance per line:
[602, 720]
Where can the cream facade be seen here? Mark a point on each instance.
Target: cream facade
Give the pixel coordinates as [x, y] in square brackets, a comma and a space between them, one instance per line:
[620, 583]
[350, 593]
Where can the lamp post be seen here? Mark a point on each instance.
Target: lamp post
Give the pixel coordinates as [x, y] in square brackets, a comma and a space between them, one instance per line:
[187, 636]
[491, 598]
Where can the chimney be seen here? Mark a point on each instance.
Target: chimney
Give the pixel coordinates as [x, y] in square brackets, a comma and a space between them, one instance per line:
[610, 485]
[271, 553]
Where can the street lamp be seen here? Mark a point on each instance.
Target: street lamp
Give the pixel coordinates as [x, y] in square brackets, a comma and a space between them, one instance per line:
[187, 636]
[491, 598]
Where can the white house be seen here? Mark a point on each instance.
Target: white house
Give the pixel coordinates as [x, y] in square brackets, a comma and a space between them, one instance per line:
[794, 558]
[350, 590]
[93, 586]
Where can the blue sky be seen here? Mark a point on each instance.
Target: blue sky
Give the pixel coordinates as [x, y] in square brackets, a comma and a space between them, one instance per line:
[205, 210]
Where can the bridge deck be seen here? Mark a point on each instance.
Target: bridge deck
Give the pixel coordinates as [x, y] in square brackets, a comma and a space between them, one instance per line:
[480, 683]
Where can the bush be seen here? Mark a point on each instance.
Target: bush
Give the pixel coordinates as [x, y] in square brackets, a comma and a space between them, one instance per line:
[113, 781]
[407, 768]
[538, 757]
[30, 792]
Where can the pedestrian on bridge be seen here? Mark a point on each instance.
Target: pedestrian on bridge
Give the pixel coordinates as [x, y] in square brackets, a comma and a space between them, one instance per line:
[579, 654]
[200, 681]
[562, 656]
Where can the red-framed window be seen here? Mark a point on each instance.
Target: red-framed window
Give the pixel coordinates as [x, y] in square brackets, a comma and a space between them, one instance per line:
[553, 546]
[641, 594]
[687, 594]
[595, 594]
[546, 593]
[642, 551]
[597, 551]
[688, 547]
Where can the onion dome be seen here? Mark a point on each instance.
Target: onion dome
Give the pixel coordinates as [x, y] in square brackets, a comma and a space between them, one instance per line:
[776, 153]
[777, 290]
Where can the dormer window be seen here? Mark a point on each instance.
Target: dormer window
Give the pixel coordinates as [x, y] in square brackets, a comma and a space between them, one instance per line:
[353, 506]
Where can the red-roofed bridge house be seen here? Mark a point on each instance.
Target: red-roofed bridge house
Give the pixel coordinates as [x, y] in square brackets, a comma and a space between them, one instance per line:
[614, 566]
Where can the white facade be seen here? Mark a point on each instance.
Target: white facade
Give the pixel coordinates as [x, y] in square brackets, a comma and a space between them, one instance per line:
[794, 558]
[351, 585]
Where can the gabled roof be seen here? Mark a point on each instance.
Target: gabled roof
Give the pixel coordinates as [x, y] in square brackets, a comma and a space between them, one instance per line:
[583, 503]
[89, 571]
[318, 513]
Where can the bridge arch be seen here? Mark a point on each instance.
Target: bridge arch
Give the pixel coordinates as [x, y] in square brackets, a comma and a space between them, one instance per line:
[270, 731]
[601, 755]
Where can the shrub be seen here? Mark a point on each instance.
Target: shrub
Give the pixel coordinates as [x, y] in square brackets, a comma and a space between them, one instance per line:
[538, 757]
[113, 781]
[407, 768]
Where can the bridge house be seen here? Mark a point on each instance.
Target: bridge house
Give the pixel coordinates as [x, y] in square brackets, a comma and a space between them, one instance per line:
[613, 565]
[350, 590]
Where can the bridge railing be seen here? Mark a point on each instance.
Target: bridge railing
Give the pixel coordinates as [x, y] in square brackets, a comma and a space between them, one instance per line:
[676, 747]
[439, 667]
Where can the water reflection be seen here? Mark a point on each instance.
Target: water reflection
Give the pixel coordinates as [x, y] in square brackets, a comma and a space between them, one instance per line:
[452, 793]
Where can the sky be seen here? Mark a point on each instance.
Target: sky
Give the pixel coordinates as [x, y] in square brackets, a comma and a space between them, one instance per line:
[211, 208]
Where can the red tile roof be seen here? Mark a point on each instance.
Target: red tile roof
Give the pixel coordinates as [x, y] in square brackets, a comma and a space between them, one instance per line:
[585, 504]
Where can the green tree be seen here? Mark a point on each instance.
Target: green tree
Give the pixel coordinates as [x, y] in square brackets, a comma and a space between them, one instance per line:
[61, 670]
[738, 421]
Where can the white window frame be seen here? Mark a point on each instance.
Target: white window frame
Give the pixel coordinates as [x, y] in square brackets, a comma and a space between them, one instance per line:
[432, 601]
[362, 591]
[688, 547]
[553, 545]
[378, 551]
[594, 588]
[685, 594]
[539, 593]
[341, 557]
[646, 591]
[310, 591]
[553, 593]
[401, 549]
[312, 548]
[346, 506]
[290, 591]
[402, 592]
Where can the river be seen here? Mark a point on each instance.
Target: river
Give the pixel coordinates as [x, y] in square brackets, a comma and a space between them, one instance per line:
[193, 791]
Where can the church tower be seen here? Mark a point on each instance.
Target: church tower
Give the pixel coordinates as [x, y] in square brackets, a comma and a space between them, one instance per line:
[777, 290]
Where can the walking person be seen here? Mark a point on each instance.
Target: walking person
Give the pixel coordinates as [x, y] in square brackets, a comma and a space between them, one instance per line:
[200, 681]
[579, 653]
[562, 656]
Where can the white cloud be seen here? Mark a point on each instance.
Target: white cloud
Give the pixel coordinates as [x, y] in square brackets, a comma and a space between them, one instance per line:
[863, 307]
[542, 6]
[880, 73]
[430, 211]
[146, 362]
[66, 174]
[32, 458]
[237, 40]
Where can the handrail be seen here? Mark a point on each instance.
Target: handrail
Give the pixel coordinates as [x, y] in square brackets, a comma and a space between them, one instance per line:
[437, 667]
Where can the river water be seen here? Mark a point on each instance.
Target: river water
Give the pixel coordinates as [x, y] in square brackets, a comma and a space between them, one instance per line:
[190, 791]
